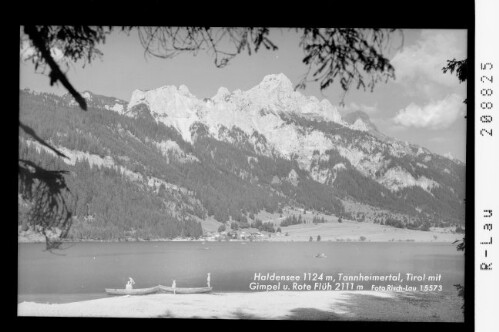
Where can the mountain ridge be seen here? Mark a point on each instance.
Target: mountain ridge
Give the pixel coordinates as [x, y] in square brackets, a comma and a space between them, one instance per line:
[267, 115]
[241, 152]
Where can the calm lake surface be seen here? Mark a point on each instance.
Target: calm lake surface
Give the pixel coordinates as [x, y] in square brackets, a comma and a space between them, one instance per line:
[83, 270]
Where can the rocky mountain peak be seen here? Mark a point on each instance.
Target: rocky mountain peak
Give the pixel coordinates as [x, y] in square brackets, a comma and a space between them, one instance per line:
[360, 121]
[276, 81]
[221, 94]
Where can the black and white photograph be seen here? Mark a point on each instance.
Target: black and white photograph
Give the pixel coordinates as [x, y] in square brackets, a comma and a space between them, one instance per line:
[242, 173]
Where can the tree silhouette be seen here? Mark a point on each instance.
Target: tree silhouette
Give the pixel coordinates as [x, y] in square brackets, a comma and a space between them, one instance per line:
[354, 56]
[47, 190]
[76, 43]
[349, 54]
[461, 69]
[460, 288]
[458, 66]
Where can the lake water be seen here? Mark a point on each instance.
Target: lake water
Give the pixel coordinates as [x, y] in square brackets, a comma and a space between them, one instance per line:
[83, 270]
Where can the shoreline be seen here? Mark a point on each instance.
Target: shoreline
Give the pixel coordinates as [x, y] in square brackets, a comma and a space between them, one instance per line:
[328, 232]
[279, 305]
[22, 241]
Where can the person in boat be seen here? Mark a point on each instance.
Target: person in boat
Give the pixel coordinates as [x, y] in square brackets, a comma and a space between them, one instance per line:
[130, 283]
[174, 285]
[208, 279]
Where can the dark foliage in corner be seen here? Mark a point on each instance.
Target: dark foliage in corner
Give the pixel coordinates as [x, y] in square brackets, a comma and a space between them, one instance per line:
[47, 189]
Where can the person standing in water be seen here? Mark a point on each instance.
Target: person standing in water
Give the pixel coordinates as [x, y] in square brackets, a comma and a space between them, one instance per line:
[174, 285]
[208, 279]
[130, 283]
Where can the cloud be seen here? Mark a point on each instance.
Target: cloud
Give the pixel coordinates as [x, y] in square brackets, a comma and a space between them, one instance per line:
[434, 115]
[449, 155]
[419, 66]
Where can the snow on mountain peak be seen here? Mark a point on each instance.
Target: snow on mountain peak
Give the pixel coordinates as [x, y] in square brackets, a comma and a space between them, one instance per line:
[359, 120]
[138, 96]
[359, 125]
[449, 155]
[172, 106]
[166, 101]
[184, 90]
[275, 91]
[178, 108]
[222, 93]
[330, 112]
[275, 81]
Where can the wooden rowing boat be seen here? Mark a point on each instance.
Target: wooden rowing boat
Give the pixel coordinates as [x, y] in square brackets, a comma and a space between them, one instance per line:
[184, 290]
[137, 291]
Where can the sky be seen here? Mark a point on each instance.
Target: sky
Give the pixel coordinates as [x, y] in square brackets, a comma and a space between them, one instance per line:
[422, 105]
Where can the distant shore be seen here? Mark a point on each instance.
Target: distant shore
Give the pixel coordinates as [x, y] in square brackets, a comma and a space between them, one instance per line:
[347, 231]
[313, 305]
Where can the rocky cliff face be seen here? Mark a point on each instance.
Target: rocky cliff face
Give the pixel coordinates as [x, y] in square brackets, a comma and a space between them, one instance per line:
[296, 126]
